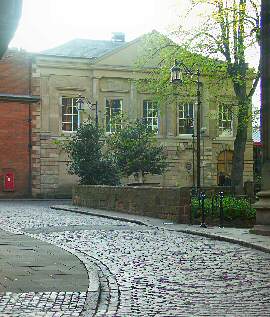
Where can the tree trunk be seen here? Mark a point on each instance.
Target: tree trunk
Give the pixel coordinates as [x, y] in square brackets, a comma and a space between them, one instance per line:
[239, 148]
[141, 177]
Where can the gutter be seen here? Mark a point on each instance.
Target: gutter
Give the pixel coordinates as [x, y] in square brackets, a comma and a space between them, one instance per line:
[22, 98]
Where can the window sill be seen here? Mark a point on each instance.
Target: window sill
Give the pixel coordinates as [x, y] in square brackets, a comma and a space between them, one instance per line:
[185, 136]
[224, 138]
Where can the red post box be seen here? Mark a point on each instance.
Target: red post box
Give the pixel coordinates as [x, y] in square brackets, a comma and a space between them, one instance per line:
[9, 182]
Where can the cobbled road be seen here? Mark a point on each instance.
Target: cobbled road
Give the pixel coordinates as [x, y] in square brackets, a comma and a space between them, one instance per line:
[155, 272]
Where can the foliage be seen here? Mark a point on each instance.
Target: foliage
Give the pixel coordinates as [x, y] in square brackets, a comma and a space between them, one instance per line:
[86, 158]
[219, 48]
[136, 150]
[233, 208]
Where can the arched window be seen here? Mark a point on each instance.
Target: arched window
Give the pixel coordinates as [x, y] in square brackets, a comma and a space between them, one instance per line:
[224, 168]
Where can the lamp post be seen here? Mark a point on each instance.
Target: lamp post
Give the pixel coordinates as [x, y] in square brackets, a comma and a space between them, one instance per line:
[177, 72]
[190, 125]
[79, 105]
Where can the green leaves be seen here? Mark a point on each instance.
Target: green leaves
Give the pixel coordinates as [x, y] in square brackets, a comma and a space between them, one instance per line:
[233, 207]
[136, 151]
[86, 158]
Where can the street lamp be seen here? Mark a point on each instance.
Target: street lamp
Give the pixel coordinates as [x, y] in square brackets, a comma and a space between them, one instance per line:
[177, 72]
[190, 125]
[79, 105]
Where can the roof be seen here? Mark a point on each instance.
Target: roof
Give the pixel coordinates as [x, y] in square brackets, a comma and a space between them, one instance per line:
[84, 48]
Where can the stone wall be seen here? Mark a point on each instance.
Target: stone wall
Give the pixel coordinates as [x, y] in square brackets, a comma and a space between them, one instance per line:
[160, 202]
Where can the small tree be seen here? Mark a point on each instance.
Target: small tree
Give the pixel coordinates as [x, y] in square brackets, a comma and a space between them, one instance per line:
[219, 46]
[136, 150]
[87, 160]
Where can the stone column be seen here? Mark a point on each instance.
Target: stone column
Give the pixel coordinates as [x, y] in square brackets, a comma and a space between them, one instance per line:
[263, 205]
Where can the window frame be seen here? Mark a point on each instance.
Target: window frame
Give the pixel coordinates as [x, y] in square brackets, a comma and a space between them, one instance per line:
[72, 114]
[154, 107]
[109, 124]
[221, 115]
[191, 103]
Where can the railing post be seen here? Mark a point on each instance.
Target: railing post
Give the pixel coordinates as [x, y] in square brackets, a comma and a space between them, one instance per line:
[221, 211]
[212, 207]
[203, 225]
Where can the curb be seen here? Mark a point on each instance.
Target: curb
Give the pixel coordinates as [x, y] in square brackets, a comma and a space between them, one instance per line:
[212, 236]
[77, 210]
[92, 301]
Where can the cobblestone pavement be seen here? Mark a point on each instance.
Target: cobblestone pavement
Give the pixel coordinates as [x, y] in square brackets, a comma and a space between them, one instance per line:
[147, 271]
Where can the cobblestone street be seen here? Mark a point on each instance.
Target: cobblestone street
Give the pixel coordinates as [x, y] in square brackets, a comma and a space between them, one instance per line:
[143, 271]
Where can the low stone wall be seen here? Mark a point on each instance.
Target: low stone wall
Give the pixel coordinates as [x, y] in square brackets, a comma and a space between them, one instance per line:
[159, 202]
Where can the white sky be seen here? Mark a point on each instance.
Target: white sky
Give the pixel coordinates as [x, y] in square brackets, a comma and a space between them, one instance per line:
[48, 23]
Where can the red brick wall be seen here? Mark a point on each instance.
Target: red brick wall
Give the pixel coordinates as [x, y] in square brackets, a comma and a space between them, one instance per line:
[14, 122]
[14, 73]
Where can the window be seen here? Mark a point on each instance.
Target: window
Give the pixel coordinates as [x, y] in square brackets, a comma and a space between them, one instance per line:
[70, 118]
[113, 114]
[186, 118]
[225, 120]
[150, 114]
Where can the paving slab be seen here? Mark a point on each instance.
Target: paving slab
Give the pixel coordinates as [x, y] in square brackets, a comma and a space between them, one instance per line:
[29, 264]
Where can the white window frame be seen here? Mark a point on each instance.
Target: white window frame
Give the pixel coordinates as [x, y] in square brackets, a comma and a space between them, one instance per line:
[148, 117]
[182, 117]
[74, 114]
[225, 115]
[109, 127]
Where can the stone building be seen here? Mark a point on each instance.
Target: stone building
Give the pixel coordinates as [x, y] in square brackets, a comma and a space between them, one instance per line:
[105, 72]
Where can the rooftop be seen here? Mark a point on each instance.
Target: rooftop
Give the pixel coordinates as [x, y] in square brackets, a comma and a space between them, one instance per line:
[84, 48]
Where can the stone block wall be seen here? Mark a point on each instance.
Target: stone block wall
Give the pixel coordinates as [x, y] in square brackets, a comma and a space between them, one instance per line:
[159, 202]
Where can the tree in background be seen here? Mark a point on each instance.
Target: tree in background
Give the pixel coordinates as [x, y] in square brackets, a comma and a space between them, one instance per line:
[136, 150]
[87, 158]
[219, 46]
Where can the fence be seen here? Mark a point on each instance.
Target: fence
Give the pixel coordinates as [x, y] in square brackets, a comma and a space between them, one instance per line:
[222, 208]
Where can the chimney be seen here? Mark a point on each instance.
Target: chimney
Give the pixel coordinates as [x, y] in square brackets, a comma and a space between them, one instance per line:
[118, 37]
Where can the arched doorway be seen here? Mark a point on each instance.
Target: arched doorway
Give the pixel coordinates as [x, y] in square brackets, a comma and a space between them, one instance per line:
[224, 168]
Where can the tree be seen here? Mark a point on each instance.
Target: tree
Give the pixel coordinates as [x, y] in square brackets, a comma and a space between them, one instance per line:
[136, 150]
[219, 47]
[87, 160]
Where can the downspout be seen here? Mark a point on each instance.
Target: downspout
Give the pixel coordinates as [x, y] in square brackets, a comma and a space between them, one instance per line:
[30, 126]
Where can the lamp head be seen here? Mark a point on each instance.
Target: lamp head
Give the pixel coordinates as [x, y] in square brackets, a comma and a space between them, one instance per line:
[80, 103]
[176, 73]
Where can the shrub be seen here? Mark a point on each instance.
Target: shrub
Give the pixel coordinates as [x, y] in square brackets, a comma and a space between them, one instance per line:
[136, 150]
[233, 208]
[87, 160]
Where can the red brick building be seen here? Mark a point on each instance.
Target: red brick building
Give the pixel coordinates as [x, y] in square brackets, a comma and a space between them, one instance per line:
[16, 106]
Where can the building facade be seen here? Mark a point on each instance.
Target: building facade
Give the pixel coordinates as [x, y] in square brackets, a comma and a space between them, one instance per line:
[16, 106]
[105, 72]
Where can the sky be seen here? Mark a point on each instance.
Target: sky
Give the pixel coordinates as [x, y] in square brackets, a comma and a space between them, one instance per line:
[47, 23]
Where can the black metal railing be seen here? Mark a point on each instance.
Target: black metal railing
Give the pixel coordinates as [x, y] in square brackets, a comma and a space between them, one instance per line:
[207, 208]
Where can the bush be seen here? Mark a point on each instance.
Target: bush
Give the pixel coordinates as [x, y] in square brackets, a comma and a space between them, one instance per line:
[234, 208]
[136, 151]
[87, 159]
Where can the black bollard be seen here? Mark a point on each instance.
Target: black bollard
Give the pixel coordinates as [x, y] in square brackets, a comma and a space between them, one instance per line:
[221, 211]
[193, 194]
[212, 207]
[203, 225]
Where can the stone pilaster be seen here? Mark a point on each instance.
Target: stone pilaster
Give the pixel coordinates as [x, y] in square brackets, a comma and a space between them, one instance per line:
[263, 205]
